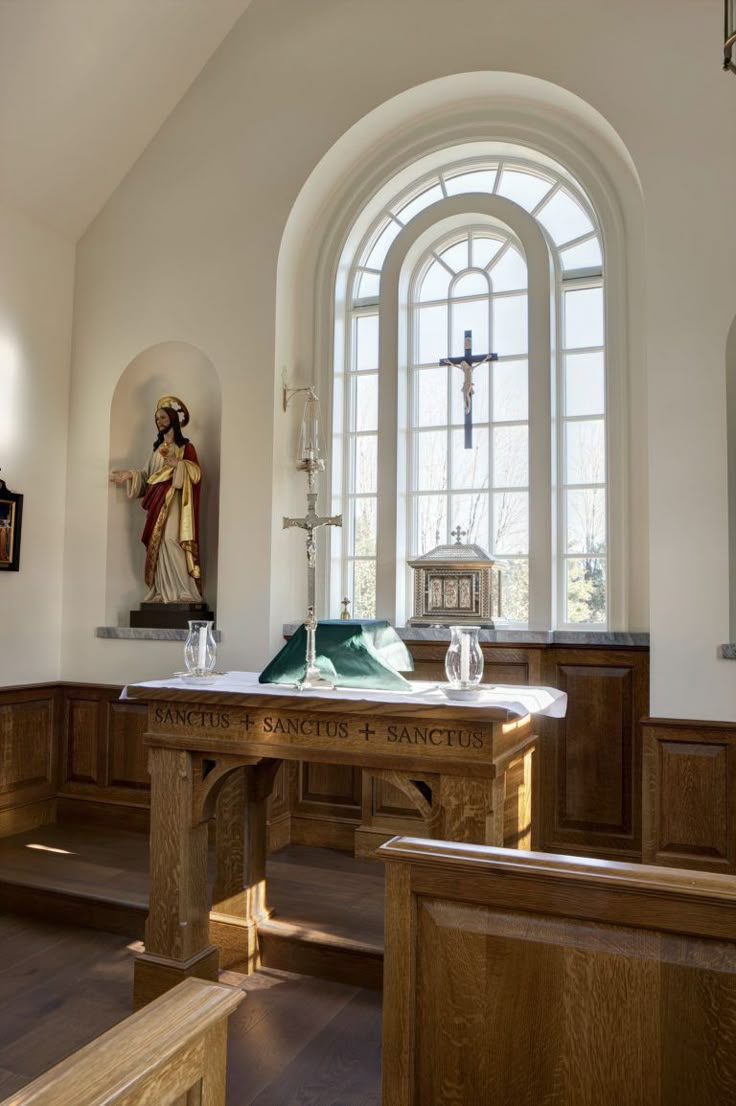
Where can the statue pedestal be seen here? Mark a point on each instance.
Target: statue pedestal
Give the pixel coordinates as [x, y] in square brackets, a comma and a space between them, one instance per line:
[169, 616]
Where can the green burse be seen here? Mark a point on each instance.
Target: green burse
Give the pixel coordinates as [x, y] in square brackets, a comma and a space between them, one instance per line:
[349, 652]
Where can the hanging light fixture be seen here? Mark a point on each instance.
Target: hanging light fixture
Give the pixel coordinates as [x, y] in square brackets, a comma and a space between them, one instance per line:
[729, 34]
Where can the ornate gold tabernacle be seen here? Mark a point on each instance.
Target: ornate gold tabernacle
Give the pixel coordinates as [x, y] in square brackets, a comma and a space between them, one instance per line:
[453, 585]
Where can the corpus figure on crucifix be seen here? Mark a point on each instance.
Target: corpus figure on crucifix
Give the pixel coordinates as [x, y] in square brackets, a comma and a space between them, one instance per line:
[311, 522]
[469, 363]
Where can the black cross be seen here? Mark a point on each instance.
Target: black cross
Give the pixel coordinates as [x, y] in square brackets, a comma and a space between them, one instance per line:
[468, 363]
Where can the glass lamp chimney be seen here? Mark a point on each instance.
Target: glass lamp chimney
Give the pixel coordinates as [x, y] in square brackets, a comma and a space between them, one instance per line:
[310, 437]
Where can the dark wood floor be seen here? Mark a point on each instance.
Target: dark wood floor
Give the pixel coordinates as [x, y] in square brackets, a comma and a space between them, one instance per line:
[59, 988]
[295, 1041]
[300, 1041]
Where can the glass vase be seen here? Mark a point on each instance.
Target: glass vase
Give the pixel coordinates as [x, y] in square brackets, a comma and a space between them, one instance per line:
[200, 650]
[464, 659]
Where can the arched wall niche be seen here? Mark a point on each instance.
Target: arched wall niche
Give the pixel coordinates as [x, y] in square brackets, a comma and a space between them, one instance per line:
[167, 368]
[407, 135]
[731, 436]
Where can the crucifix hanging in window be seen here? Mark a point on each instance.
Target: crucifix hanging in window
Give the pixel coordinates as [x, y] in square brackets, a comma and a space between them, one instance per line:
[469, 362]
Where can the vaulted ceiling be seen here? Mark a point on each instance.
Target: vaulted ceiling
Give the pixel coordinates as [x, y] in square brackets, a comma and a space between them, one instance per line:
[84, 86]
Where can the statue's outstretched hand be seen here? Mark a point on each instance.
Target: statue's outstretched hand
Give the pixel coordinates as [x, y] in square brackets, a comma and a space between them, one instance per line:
[119, 476]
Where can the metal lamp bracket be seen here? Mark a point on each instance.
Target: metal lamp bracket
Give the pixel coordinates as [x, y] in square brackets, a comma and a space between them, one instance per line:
[287, 393]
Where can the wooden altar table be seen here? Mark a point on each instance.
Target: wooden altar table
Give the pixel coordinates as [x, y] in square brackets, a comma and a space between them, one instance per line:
[215, 751]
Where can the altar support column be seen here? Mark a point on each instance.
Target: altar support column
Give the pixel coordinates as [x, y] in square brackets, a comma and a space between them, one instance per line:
[516, 800]
[466, 810]
[177, 940]
[239, 899]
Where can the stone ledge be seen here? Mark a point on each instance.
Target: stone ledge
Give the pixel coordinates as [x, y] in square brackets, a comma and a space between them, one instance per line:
[146, 633]
[520, 637]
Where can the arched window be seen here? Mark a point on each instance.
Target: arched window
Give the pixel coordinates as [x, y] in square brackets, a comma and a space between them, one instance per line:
[472, 280]
[507, 246]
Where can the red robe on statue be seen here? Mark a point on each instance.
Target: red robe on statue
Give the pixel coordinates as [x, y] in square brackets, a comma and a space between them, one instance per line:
[159, 501]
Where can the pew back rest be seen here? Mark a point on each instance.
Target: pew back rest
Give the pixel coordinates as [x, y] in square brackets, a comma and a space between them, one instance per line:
[170, 1053]
[530, 978]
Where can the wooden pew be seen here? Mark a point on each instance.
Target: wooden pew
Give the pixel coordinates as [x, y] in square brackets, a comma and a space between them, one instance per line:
[529, 979]
[171, 1053]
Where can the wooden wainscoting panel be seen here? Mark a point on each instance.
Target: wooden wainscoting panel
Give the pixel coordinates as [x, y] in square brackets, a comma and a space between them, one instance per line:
[501, 664]
[326, 807]
[26, 740]
[29, 755]
[695, 781]
[595, 777]
[590, 762]
[104, 778]
[84, 739]
[127, 756]
[329, 787]
[689, 798]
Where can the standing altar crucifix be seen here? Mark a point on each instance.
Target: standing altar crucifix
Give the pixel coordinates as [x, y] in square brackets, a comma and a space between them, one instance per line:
[312, 463]
[311, 522]
[469, 363]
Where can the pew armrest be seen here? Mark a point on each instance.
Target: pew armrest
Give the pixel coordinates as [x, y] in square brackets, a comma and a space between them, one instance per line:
[168, 1052]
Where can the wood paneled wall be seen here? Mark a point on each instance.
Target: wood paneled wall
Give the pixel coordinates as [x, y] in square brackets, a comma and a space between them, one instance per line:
[103, 759]
[690, 794]
[590, 762]
[29, 757]
[75, 752]
[514, 977]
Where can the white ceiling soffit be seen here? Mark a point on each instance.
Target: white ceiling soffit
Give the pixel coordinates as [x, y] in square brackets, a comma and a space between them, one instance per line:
[84, 86]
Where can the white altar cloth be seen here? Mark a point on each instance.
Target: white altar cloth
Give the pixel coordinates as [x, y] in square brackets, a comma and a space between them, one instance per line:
[517, 699]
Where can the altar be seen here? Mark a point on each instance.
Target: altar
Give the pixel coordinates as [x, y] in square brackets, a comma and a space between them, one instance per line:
[214, 753]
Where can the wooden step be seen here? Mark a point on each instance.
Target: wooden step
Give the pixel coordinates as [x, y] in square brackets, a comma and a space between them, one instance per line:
[328, 907]
[73, 907]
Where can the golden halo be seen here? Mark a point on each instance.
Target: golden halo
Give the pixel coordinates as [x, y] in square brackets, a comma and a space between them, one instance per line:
[176, 405]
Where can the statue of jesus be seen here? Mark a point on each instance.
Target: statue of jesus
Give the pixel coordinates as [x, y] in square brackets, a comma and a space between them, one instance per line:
[169, 487]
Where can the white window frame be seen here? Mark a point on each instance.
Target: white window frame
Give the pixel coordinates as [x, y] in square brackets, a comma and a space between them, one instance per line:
[443, 217]
[544, 598]
[471, 230]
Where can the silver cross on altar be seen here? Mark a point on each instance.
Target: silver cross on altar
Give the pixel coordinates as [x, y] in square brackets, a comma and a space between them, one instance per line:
[469, 363]
[311, 522]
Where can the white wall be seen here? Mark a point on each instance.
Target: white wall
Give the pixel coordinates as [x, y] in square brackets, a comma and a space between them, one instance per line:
[187, 249]
[36, 283]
